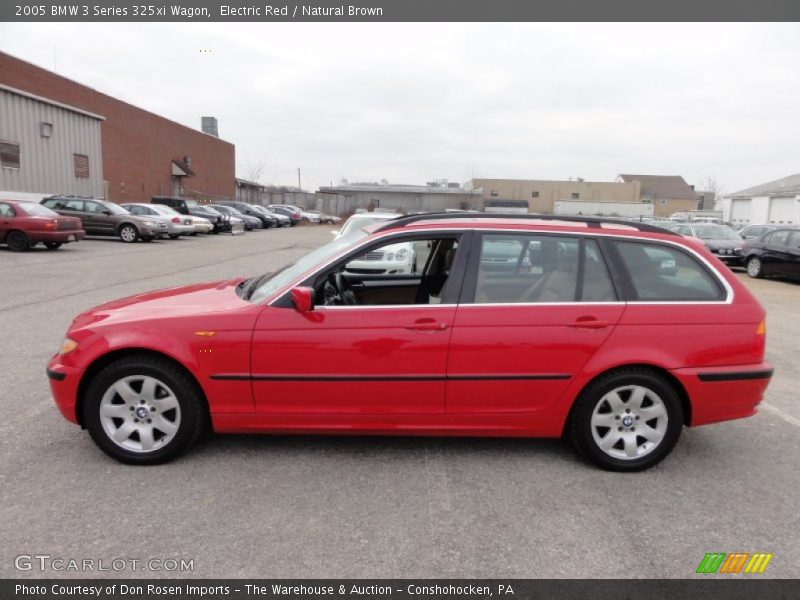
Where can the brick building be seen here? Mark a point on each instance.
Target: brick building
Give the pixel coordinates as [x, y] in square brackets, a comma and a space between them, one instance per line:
[143, 154]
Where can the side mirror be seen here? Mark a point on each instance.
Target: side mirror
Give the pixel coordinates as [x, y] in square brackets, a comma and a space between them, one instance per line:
[303, 299]
[106, 212]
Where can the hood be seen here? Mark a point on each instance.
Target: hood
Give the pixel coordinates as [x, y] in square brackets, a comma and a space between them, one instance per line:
[716, 244]
[196, 300]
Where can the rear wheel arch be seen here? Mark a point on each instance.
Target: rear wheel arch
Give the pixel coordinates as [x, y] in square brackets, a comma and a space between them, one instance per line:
[103, 361]
[680, 390]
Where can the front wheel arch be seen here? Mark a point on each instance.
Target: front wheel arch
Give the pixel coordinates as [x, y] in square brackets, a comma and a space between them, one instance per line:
[686, 404]
[106, 359]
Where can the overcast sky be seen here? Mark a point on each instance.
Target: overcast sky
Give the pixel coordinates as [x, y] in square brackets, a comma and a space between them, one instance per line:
[413, 102]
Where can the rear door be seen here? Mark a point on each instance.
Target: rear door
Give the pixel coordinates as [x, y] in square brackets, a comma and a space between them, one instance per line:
[535, 308]
[793, 266]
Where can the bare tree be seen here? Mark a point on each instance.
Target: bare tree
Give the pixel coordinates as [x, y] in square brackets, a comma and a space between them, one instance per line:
[253, 170]
[711, 184]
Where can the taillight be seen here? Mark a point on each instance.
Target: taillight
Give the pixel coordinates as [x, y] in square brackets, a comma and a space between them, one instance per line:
[760, 340]
[176, 220]
[296, 215]
[51, 225]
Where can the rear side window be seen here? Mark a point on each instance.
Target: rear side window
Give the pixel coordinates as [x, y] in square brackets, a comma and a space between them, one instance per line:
[661, 273]
[6, 211]
[521, 269]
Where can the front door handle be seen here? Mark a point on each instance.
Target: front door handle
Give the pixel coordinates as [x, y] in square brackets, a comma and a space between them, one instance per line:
[427, 325]
[589, 323]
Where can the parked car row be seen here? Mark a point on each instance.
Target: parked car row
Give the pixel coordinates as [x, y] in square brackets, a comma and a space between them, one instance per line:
[58, 220]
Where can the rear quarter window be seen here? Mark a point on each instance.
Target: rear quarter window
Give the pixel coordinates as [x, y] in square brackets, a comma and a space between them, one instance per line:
[661, 273]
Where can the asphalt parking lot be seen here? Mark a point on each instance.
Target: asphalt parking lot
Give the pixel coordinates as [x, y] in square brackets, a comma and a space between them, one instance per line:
[264, 506]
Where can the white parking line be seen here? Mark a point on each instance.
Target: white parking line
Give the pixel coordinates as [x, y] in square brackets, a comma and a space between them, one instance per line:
[783, 415]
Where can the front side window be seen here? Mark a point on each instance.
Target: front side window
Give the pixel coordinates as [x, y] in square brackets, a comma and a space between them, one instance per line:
[778, 238]
[660, 273]
[402, 272]
[520, 269]
[794, 240]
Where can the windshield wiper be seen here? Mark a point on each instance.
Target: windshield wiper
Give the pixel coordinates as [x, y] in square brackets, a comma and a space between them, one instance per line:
[252, 285]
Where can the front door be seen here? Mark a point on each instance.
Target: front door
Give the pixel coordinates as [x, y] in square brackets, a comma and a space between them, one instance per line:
[535, 309]
[375, 344]
[100, 222]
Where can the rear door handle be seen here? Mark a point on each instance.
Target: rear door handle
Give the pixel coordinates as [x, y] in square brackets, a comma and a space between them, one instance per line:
[427, 325]
[589, 323]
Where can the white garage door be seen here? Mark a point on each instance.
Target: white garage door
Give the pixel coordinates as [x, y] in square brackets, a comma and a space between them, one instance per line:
[783, 211]
[741, 211]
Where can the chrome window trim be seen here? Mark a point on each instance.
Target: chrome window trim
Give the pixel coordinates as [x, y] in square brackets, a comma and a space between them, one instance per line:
[729, 293]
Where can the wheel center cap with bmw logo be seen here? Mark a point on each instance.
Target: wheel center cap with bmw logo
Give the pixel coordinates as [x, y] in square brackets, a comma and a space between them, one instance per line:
[627, 421]
[142, 412]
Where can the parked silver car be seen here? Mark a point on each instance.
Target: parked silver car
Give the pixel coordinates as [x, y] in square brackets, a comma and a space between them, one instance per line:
[177, 224]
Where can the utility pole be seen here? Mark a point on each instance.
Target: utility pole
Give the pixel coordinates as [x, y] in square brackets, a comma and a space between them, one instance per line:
[299, 187]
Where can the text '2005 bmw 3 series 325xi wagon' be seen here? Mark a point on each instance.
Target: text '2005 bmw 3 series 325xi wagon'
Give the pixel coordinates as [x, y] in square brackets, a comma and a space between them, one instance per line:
[613, 335]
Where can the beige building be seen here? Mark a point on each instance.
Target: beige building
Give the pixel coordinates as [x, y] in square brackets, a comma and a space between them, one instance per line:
[669, 194]
[436, 196]
[542, 194]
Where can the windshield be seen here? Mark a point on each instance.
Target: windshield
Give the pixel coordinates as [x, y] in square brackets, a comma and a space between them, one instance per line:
[115, 209]
[716, 232]
[359, 222]
[37, 210]
[271, 284]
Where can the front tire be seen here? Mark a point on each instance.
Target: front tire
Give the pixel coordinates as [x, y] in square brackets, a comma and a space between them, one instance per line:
[143, 410]
[128, 234]
[17, 241]
[755, 267]
[627, 420]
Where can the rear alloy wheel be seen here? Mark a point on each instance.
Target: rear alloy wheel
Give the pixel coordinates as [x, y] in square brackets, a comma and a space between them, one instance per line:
[52, 245]
[128, 234]
[628, 420]
[754, 268]
[143, 410]
[17, 241]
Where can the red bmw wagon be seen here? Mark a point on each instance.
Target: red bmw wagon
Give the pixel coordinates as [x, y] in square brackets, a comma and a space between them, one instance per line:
[612, 334]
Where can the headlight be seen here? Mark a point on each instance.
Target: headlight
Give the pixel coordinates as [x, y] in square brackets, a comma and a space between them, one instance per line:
[67, 346]
[401, 254]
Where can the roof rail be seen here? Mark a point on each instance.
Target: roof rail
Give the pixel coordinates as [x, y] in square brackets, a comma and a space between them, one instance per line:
[594, 222]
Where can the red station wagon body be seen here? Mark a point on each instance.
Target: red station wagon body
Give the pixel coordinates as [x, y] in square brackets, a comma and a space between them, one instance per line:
[454, 368]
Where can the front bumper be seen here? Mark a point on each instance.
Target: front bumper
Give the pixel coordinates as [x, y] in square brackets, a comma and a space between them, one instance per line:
[64, 381]
[724, 393]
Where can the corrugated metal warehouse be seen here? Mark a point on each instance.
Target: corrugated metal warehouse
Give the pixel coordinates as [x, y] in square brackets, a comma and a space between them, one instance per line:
[47, 147]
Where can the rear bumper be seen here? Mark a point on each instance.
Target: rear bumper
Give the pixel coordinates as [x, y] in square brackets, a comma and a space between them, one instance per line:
[60, 237]
[724, 393]
[64, 382]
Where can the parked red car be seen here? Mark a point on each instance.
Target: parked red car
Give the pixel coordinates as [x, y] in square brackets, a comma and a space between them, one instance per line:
[612, 334]
[25, 224]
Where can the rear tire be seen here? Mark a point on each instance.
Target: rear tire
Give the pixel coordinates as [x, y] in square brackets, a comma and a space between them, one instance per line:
[17, 241]
[628, 420]
[755, 267]
[52, 245]
[143, 410]
[128, 233]
[173, 236]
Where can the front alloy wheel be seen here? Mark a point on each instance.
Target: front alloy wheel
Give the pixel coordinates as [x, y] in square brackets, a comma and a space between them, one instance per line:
[627, 420]
[143, 410]
[128, 234]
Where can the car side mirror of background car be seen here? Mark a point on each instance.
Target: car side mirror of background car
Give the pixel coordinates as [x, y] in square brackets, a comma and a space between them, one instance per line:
[106, 212]
[303, 298]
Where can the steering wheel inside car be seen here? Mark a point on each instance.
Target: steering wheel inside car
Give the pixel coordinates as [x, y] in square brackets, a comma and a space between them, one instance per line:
[338, 291]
